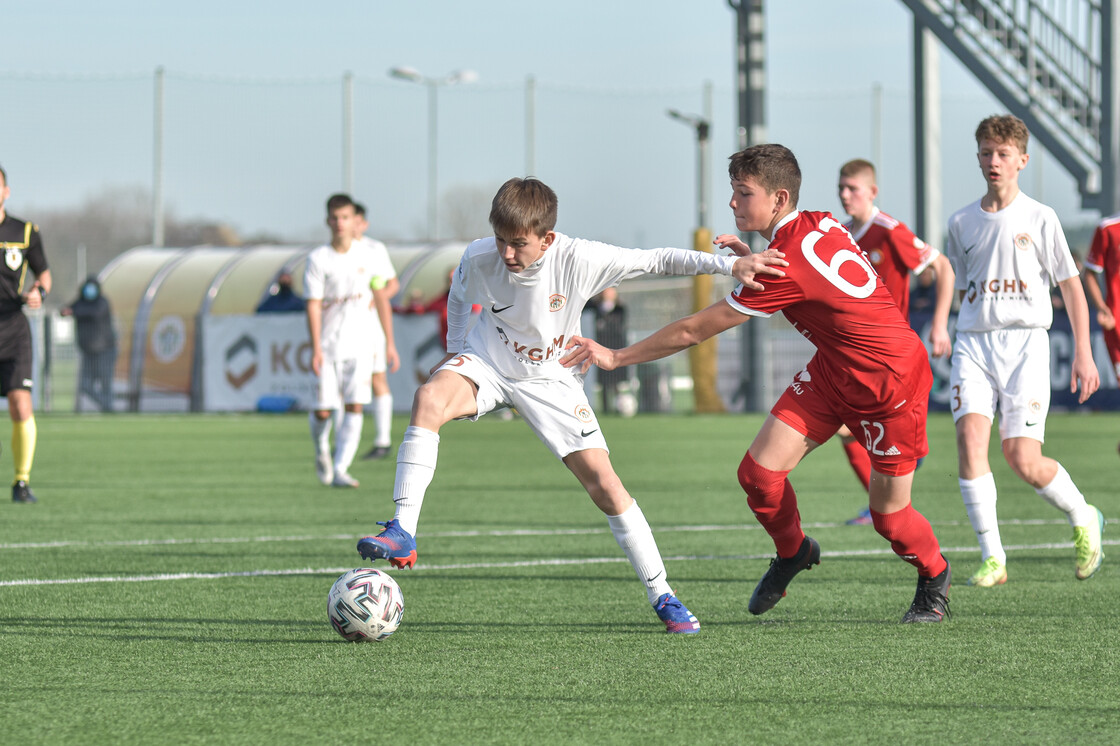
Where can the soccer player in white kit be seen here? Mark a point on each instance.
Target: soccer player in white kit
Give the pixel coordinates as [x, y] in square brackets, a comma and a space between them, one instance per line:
[346, 335]
[1007, 250]
[533, 284]
[385, 358]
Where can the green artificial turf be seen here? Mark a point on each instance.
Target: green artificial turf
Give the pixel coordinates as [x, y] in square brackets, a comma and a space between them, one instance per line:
[205, 548]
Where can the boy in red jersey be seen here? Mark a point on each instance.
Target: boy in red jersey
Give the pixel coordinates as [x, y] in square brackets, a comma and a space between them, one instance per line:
[896, 253]
[870, 372]
[1104, 261]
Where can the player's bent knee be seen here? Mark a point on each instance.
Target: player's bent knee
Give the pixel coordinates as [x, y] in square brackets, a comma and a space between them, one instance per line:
[763, 486]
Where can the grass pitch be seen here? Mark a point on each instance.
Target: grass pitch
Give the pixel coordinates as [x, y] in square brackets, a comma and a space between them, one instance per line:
[170, 587]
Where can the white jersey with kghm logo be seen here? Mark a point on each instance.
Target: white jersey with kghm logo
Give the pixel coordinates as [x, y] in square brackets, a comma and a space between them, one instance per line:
[1006, 262]
[350, 327]
[528, 318]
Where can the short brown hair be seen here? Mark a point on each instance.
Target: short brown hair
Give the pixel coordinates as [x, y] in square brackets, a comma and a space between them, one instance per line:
[337, 201]
[1004, 128]
[855, 167]
[773, 166]
[524, 205]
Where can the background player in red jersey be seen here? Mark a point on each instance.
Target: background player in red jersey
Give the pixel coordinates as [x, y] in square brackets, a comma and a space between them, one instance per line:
[896, 253]
[870, 372]
[1104, 261]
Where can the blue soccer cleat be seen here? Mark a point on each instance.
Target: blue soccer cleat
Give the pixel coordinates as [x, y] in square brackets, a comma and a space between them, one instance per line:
[678, 620]
[393, 544]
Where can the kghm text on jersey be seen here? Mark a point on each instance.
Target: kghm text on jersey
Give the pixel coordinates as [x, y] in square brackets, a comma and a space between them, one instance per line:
[997, 289]
[532, 355]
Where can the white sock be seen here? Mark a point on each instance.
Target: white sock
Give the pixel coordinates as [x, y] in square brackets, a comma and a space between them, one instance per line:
[320, 433]
[1063, 494]
[346, 441]
[383, 420]
[416, 466]
[633, 534]
[980, 502]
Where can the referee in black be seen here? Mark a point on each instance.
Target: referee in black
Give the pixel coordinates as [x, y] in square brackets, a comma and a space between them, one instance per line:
[22, 250]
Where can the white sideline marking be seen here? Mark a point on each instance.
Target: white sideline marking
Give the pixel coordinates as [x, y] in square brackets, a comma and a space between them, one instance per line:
[488, 565]
[452, 534]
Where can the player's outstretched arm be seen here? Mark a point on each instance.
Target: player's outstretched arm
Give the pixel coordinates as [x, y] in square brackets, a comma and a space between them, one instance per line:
[1096, 299]
[314, 309]
[768, 262]
[1084, 372]
[735, 244]
[943, 300]
[686, 332]
[384, 311]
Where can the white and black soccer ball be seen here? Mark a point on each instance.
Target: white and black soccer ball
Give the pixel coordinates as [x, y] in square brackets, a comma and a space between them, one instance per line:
[365, 605]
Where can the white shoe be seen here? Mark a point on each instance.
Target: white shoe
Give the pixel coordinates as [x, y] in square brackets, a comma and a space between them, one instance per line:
[324, 468]
[342, 479]
[1087, 542]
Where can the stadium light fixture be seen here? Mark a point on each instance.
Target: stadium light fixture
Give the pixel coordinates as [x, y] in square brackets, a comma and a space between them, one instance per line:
[703, 129]
[433, 85]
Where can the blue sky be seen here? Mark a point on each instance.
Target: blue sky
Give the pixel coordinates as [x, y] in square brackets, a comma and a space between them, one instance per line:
[240, 151]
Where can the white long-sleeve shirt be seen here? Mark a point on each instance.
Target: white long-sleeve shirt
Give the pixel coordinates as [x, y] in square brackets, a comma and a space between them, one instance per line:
[528, 317]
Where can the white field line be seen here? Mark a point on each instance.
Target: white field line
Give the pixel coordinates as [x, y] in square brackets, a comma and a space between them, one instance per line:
[63, 543]
[554, 562]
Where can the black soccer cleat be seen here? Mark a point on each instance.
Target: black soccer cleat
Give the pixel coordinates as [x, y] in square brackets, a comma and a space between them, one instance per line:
[931, 601]
[772, 587]
[376, 453]
[21, 493]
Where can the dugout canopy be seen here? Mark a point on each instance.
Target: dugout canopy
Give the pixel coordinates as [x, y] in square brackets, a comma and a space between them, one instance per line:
[165, 298]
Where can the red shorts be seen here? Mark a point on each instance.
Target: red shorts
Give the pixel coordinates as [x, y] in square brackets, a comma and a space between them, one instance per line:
[1112, 342]
[894, 441]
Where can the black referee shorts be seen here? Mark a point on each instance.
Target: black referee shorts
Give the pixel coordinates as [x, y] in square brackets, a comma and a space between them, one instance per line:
[15, 353]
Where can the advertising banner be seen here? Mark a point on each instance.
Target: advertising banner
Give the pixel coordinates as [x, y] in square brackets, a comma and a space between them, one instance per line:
[250, 358]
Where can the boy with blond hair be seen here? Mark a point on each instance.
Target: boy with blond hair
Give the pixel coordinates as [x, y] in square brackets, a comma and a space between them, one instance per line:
[870, 373]
[533, 283]
[1007, 251]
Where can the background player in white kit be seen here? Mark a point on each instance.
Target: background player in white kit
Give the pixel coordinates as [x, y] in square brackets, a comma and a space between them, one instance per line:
[385, 358]
[345, 334]
[1007, 250]
[533, 284]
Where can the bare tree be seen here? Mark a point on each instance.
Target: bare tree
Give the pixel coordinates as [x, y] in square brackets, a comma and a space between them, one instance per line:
[108, 223]
[466, 211]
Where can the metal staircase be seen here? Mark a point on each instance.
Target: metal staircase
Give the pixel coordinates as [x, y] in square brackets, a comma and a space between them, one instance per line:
[1053, 64]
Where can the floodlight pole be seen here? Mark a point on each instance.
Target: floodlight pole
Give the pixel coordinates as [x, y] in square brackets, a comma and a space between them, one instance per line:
[702, 357]
[754, 338]
[157, 161]
[433, 85]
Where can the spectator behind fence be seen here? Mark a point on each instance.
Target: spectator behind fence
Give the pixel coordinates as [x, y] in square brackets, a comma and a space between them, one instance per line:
[97, 341]
[610, 331]
[283, 299]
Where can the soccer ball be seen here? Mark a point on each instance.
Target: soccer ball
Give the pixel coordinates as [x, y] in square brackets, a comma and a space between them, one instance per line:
[365, 604]
[626, 404]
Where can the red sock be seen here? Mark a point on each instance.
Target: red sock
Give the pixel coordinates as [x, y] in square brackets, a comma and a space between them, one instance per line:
[771, 497]
[860, 461]
[912, 539]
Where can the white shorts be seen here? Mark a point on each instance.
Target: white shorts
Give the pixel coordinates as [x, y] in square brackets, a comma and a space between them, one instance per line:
[1007, 370]
[379, 364]
[344, 382]
[556, 410]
